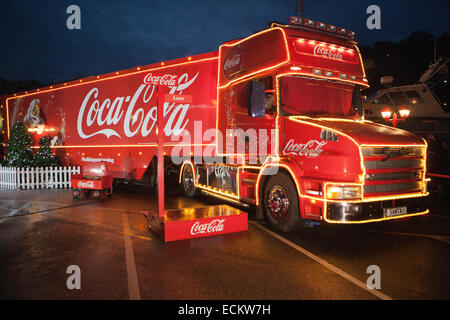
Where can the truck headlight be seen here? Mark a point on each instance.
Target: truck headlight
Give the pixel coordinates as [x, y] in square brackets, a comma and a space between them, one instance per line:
[336, 192]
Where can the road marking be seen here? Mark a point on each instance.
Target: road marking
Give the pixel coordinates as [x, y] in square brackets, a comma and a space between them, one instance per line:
[445, 239]
[133, 282]
[327, 265]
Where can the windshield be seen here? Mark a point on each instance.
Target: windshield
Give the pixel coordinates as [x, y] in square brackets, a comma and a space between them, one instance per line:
[316, 98]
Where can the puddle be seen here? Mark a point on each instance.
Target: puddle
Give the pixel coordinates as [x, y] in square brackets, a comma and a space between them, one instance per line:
[9, 208]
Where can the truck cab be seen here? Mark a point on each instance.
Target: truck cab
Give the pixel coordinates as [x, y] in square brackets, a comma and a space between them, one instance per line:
[291, 132]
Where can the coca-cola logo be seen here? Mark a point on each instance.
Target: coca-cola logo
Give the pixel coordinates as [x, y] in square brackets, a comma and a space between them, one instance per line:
[162, 80]
[233, 62]
[214, 226]
[131, 115]
[85, 184]
[312, 148]
[328, 52]
[222, 172]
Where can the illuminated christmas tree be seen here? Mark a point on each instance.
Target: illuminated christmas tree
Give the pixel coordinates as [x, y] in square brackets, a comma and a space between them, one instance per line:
[44, 156]
[18, 149]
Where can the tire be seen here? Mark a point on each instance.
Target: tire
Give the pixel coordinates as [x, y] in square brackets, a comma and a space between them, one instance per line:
[187, 181]
[76, 193]
[280, 203]
[96, 194]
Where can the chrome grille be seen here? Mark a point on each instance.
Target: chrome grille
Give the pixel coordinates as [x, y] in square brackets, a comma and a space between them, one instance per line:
[392, 187]
[381, 151]
[394, 163]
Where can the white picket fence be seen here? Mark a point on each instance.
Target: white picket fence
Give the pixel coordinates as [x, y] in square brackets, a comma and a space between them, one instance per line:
[36, 178]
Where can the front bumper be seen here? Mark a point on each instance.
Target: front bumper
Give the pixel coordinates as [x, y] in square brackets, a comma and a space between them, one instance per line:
[363, 212]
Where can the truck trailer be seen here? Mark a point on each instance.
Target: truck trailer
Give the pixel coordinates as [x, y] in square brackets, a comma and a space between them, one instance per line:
[274, 120]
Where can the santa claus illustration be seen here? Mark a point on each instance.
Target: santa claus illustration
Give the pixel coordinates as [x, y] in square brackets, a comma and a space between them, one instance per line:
[32, 119]
[36, 119]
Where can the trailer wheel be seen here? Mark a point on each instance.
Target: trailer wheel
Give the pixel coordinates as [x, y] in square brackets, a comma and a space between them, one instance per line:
[280, 203]
[96, 194]
[187, 181]
[76, 193]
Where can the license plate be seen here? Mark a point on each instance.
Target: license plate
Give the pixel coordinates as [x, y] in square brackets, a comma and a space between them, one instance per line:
[390, 212]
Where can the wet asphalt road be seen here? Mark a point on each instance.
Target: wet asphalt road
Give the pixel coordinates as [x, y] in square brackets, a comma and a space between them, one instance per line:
[50, 231]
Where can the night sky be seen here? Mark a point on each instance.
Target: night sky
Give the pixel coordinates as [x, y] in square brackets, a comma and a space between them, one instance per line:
[114, 35]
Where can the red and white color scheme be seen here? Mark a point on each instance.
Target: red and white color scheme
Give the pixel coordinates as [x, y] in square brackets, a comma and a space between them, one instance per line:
[208, 221]
[296, 87]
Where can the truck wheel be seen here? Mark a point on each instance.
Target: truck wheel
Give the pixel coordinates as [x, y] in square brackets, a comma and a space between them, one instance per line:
[76, 193]
[187, 181]
[280, 203]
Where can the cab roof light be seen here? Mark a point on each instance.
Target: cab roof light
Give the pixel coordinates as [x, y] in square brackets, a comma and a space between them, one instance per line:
[296, 20]
[309, 23]
[331, 28]
[342, 31]
[343, 76]
[321, 25]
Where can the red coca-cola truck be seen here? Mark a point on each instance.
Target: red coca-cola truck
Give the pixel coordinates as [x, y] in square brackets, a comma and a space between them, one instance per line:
[273, 120]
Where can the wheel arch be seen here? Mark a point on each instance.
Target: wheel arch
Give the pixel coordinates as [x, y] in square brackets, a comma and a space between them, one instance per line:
[262, 179]
[189, 163]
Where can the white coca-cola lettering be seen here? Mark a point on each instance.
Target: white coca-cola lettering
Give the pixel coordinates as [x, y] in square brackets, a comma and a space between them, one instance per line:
[215, 225]
[222, 172]
[329, 52]
[118, 119]
[233, 62]
[162, 80]
[85, 184]
[312, 148]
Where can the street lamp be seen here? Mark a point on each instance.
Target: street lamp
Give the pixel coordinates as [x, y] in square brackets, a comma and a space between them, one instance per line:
[386, 113]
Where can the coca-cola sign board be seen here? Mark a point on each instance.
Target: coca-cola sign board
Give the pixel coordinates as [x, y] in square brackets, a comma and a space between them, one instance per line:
[204, 227]
[326, 51]
[120, 110]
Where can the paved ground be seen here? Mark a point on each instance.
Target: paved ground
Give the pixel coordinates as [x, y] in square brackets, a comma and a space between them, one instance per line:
[44, 232]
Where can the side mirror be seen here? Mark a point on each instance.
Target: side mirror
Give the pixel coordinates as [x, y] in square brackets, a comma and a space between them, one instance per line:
[256, 98]
[357, 101]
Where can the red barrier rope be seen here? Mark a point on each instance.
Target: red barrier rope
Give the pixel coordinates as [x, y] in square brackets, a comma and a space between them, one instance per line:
[438, 175]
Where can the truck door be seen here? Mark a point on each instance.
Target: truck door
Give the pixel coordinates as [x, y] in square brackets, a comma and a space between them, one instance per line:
[254, 133]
